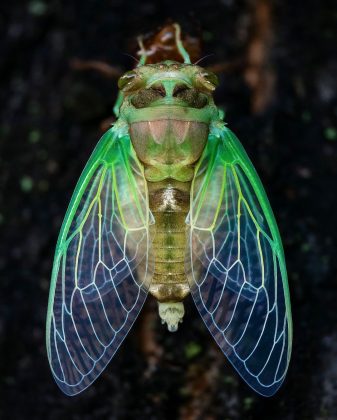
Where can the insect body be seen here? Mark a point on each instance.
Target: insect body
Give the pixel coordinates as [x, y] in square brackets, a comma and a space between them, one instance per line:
[169, 118]
[169, 203]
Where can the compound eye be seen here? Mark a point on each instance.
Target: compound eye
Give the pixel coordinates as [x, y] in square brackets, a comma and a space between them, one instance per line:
[130, 81]
[207, 81]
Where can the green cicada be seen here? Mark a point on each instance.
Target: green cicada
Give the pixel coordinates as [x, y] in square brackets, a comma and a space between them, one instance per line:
[169, 203]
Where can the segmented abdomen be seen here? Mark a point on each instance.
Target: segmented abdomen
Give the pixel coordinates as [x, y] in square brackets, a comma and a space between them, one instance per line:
[169, 207]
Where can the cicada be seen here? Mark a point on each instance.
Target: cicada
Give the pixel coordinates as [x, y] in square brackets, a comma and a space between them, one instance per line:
[169, 204]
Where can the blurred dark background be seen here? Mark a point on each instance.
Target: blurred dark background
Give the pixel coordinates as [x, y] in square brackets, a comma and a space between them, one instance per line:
[280, 101]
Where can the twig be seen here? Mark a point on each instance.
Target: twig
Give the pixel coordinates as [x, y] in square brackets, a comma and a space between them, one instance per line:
[105, 69]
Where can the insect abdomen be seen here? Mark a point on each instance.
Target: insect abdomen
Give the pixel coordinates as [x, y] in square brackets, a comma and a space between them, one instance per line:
[169, 207]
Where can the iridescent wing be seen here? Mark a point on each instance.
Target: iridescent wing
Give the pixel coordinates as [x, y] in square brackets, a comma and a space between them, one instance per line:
[101, 268]
[236, 267]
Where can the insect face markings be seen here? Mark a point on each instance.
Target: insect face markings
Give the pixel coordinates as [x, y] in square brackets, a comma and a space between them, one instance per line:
[167, 83]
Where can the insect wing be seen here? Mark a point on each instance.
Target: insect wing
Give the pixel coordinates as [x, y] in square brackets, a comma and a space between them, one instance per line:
[101, 268]
[236, 267]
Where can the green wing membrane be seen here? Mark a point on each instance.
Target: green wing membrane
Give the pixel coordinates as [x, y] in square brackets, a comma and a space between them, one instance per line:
[101, 268]
[236, 265]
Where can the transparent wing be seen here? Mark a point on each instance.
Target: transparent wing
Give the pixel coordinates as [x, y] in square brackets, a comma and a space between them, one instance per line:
[101, 269]
[236, 265]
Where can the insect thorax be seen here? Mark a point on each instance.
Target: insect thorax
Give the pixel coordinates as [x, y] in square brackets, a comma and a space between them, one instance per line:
[168, 148]
[168, 108]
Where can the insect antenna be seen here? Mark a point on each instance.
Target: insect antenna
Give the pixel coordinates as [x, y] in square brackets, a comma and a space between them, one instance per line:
[203, 58]
[131, 56]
